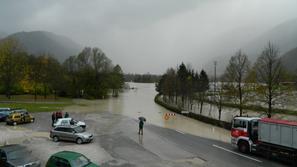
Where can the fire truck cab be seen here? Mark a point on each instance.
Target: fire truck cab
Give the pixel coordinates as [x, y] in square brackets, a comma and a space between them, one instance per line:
[244, 133]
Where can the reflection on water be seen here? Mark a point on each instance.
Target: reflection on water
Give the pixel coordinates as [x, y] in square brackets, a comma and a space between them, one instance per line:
[140, 138]
[140, 102]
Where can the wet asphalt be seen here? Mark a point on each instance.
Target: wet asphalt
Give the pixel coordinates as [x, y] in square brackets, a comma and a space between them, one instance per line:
[117, 144]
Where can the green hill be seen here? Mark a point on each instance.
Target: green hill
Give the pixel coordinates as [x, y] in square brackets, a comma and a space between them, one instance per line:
[38, 42]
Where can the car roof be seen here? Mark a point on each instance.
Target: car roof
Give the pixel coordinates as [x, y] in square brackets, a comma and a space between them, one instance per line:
[19, 110]
[64, 118]
[12, 147]
[247, 118]
[69, 155]
[5, 109]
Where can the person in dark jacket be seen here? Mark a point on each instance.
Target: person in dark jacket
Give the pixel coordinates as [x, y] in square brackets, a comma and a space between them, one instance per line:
[66, 115]
[141, 122]
[53, 118]
[59, 115]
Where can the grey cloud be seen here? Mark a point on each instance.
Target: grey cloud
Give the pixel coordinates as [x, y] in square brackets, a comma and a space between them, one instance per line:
[151, 35]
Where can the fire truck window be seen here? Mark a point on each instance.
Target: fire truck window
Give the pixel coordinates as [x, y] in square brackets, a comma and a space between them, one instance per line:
[239, 124]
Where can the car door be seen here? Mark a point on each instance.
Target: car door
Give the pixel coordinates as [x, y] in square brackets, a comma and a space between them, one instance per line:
[60, 132]
[62, 163]
[27, 117]
[70, 134]
[17, 118]
[3, 158]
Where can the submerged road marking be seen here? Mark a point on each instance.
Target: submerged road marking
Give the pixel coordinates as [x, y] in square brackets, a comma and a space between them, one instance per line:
[225, 149]
[180, 132]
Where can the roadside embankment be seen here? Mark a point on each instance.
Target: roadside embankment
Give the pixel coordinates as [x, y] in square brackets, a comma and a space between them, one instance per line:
[219, 123]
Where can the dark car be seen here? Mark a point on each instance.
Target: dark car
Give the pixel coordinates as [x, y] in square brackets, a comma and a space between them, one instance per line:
[3, 117]
[4, 109]
[71, 133]
[4, 113]
[69, 159]
[17, 155]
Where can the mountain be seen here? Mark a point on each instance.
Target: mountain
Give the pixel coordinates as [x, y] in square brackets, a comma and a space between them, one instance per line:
[283, 36]
[2, 35]
[289, 60]
[38, 42]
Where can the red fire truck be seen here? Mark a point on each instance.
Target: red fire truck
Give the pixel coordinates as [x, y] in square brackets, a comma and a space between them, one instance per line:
[269, 137]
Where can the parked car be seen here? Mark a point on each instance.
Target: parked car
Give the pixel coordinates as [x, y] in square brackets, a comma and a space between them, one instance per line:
[69, 122]
[19, 117]
[4, 113]
[71, 133]
[17, 156]
[69, 159]
[4, 110]
[3, 117]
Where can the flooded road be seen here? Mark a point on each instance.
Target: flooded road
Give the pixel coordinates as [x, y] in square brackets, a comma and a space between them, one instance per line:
[140, 102]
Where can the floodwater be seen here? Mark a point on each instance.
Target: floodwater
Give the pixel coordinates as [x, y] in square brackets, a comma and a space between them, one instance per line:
[140, 102]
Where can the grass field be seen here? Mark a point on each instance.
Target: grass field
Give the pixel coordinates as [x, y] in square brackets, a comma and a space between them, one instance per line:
[39, 105]
[49, 98]
[36, 107]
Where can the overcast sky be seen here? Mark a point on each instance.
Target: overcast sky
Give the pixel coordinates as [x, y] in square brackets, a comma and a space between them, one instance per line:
[149, 35]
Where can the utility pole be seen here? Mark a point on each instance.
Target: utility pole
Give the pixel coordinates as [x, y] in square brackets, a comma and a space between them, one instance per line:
[215, 76]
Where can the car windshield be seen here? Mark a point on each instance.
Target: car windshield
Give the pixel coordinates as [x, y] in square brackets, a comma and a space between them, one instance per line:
[80, 162]
[17, 154]
[237, 123]
[78, 129]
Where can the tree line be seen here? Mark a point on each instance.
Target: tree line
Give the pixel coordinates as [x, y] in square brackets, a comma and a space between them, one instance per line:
[261, 81]
[242, 83]
[185, 84]
[142, 78]
[90, 74]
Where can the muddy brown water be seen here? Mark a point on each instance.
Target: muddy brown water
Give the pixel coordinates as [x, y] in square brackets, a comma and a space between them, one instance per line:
[140, 102]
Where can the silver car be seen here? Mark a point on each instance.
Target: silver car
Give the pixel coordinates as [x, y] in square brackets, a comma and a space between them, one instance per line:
[71, 133]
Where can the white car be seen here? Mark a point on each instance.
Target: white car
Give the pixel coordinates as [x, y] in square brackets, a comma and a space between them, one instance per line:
[69, 122]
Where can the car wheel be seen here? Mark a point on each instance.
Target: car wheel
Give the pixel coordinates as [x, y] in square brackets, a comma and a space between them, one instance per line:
[243, 147]
[79, 141]
[14, 123]
[56, 138]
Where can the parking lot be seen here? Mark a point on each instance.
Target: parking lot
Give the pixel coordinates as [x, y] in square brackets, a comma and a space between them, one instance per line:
[36, 137]
[116, 142]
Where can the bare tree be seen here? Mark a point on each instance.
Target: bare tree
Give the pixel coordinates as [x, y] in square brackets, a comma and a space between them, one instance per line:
[236, 72]
[269, 68]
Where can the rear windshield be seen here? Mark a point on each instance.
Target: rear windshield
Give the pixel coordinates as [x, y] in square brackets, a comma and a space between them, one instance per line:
[237, 123]
[80, 162]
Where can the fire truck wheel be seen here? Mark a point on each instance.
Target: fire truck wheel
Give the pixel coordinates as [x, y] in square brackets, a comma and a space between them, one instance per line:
[243, 147]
